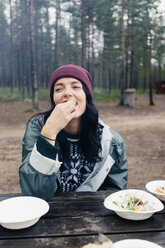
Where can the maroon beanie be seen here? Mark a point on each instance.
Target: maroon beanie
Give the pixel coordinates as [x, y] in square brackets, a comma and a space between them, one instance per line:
[74, 71]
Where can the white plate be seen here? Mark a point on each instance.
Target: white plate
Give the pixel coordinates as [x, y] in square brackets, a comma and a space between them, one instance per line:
[131, 214]
[22, 211]
[151, 187]
[135, 243]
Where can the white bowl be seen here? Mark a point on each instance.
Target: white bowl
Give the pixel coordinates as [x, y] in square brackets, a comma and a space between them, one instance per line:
[135, 243]
[118, 197]
[151, 187]
[22, 211]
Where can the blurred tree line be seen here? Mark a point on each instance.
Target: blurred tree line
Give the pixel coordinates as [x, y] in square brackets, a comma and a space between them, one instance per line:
[121, 43]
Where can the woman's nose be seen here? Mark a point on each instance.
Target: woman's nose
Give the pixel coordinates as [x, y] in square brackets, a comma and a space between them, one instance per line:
[68, 92]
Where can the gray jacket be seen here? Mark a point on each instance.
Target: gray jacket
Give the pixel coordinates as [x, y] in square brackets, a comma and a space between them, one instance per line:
[40, 176]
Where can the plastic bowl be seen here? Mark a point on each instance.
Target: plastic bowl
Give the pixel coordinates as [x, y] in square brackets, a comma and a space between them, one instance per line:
[21, 212]
[118, 197]
[135, 243]
[151, 187]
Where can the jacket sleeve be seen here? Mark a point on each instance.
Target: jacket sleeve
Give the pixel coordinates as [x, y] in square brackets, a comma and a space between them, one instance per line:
[118, 175]
[35, 181]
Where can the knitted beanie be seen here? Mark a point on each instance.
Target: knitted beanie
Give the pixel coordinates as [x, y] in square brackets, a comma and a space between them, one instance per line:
[74, 71]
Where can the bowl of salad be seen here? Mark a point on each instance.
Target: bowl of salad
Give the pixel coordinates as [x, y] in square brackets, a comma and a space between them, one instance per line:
[135, 243]
[133, 204]
[157, 188]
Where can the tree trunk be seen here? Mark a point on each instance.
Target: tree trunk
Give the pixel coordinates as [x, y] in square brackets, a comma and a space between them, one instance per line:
[48, 48]
[109, 63]
[11, 49]
[150, 73]
[18, 47]
[44, 63]
[36, 41]
[145, 63]
[83, 34]
[132, 64]
[104, 66]
[88, 48]
[93, 57]
[122, 73]
[159, 71]
[32, 60]
[23, 44]
[127, 44]
[27, 52]
[57, 52]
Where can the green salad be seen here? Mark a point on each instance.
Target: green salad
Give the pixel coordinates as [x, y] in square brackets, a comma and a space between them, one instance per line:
[131, 202]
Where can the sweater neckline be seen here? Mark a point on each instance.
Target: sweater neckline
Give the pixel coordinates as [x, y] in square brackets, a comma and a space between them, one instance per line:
[70, 136]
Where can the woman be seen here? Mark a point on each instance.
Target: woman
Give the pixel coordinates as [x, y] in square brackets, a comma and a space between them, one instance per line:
[68, 148]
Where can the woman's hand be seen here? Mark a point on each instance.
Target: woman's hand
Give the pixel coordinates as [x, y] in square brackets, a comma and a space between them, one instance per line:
[62, 114]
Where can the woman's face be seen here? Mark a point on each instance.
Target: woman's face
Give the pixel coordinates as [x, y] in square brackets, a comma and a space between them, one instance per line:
[70, 89]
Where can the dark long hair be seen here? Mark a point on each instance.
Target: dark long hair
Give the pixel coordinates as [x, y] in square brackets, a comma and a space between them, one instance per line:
[90, 142]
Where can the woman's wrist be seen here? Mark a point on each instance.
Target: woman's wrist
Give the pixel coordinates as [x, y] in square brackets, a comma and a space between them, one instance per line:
[46, 149]
[50, 138]
[51, 141]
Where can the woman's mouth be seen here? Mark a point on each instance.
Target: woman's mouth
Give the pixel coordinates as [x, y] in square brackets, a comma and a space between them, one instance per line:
[76, 103]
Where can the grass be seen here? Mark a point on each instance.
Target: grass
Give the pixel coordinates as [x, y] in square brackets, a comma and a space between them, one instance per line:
[145, 92]
[29, 110]
[44, 95]
[98, 95]
[6, 96]
[105, 95]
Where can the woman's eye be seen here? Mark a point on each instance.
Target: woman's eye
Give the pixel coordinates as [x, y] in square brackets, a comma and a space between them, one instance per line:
[58, 89]
[76, 87]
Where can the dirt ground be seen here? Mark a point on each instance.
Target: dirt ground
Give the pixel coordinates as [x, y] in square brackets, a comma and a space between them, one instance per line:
[142, 127]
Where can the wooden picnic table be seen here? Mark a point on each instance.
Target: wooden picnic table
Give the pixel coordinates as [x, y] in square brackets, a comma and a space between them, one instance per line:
[75, 219]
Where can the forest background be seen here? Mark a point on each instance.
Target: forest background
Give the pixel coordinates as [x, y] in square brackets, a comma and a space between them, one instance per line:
[120, 42]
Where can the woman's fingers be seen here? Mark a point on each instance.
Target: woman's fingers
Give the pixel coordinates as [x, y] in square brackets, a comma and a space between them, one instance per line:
[65, 109]
[62, 114]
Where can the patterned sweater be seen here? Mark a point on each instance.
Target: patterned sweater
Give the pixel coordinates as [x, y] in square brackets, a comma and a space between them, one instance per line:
[75, 168]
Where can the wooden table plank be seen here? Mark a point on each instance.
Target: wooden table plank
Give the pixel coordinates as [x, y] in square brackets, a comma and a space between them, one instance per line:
[78, 241]
[76, 203]
[80, 208]
[64, 196]
[88, 225]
